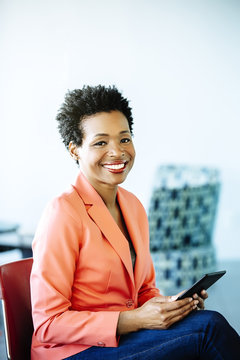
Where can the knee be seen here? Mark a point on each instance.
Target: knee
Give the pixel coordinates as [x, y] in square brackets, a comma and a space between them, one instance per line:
[219, 331]
[214, 319]
[208, 319]
[214, 316]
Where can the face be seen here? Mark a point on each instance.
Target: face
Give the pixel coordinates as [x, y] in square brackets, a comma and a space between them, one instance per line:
[107, 153]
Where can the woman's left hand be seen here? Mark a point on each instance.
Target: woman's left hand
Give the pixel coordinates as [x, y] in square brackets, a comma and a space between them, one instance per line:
[204, 296]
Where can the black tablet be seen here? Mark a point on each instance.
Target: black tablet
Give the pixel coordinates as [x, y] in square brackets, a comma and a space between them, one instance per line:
[203, 284]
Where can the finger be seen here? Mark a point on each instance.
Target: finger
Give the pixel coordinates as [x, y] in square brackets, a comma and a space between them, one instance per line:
[181, 311]
[170, 303]
[168, 317]
[204, 294]
[163, 299]
[201, 304]
[169, 307]
[179, 316]
[179, 304]
[201, 299]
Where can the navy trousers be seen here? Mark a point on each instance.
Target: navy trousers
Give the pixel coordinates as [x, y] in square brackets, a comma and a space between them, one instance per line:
[201, 335]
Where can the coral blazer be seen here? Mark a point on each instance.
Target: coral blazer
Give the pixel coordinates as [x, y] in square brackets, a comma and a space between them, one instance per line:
[82, 274]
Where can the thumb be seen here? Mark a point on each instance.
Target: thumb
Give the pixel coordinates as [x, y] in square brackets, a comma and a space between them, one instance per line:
[164, 299]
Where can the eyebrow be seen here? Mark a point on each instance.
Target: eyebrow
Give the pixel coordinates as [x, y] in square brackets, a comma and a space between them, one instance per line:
[103, 134]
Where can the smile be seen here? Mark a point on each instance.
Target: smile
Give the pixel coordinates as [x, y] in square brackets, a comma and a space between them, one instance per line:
[115, 167]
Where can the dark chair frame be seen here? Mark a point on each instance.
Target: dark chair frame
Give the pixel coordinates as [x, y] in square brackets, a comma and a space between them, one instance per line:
[16, 307]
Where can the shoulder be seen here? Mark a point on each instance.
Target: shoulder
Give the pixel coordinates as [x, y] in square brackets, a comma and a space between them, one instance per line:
[67, 205]
[59, 229]
[61, 220]
[132, 200]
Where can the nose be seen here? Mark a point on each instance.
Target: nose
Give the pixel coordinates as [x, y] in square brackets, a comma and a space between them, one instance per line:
[115, 149]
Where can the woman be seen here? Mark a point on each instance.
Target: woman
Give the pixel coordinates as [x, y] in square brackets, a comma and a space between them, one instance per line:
[92, 283]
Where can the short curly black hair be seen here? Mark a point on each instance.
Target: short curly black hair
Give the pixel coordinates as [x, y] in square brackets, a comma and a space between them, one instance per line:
[89, 100]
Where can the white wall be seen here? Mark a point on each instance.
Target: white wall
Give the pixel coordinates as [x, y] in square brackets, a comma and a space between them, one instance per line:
[178, 62]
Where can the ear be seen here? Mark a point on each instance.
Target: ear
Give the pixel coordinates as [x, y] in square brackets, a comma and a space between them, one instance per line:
[73, 150]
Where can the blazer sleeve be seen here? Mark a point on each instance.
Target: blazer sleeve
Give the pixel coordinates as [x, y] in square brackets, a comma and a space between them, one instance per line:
[56, 249]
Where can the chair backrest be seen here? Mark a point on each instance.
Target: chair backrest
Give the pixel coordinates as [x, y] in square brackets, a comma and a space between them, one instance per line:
[16, 301]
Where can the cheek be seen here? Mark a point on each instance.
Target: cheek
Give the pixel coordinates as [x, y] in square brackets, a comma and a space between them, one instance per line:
[95, 159]
[133, 153]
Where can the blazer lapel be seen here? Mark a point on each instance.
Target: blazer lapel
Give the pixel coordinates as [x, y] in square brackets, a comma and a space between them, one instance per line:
[100, 214]
[102, 217]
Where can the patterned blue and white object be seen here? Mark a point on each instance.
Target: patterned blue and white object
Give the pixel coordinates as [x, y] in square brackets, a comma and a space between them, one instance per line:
[181, 222]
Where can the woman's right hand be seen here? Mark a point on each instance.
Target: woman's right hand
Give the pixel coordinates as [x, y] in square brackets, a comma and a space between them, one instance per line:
[157, 313]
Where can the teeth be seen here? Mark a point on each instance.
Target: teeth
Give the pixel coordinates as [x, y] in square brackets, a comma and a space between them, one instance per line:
[115, 167]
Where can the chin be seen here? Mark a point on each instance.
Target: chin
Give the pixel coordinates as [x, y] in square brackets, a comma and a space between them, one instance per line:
[117, 181]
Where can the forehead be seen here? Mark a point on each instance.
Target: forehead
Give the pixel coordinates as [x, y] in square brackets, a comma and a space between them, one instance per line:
[105, 122]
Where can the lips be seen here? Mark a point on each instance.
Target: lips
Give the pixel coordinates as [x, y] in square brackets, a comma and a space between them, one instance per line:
[116, 167]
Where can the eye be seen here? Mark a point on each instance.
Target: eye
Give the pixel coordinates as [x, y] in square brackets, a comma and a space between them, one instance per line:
[125, 140]
[100, 143]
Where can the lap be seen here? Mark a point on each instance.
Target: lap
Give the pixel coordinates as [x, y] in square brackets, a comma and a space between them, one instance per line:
[184, 340]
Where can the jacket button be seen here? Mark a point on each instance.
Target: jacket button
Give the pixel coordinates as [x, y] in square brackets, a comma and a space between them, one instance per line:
[101, 344]
[129, 303]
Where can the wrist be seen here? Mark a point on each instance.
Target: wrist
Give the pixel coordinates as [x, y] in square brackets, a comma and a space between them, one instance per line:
[127, 322]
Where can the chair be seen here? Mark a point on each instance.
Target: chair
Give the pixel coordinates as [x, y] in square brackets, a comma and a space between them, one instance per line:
[16, 305]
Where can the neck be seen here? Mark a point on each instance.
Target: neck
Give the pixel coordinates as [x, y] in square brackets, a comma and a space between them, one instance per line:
[107, 193]
[109, 196]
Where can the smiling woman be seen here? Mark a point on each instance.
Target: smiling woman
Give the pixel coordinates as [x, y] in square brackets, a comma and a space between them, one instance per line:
[93, 282]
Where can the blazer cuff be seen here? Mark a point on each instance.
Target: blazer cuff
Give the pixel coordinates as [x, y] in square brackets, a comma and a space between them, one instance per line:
[108, 334]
